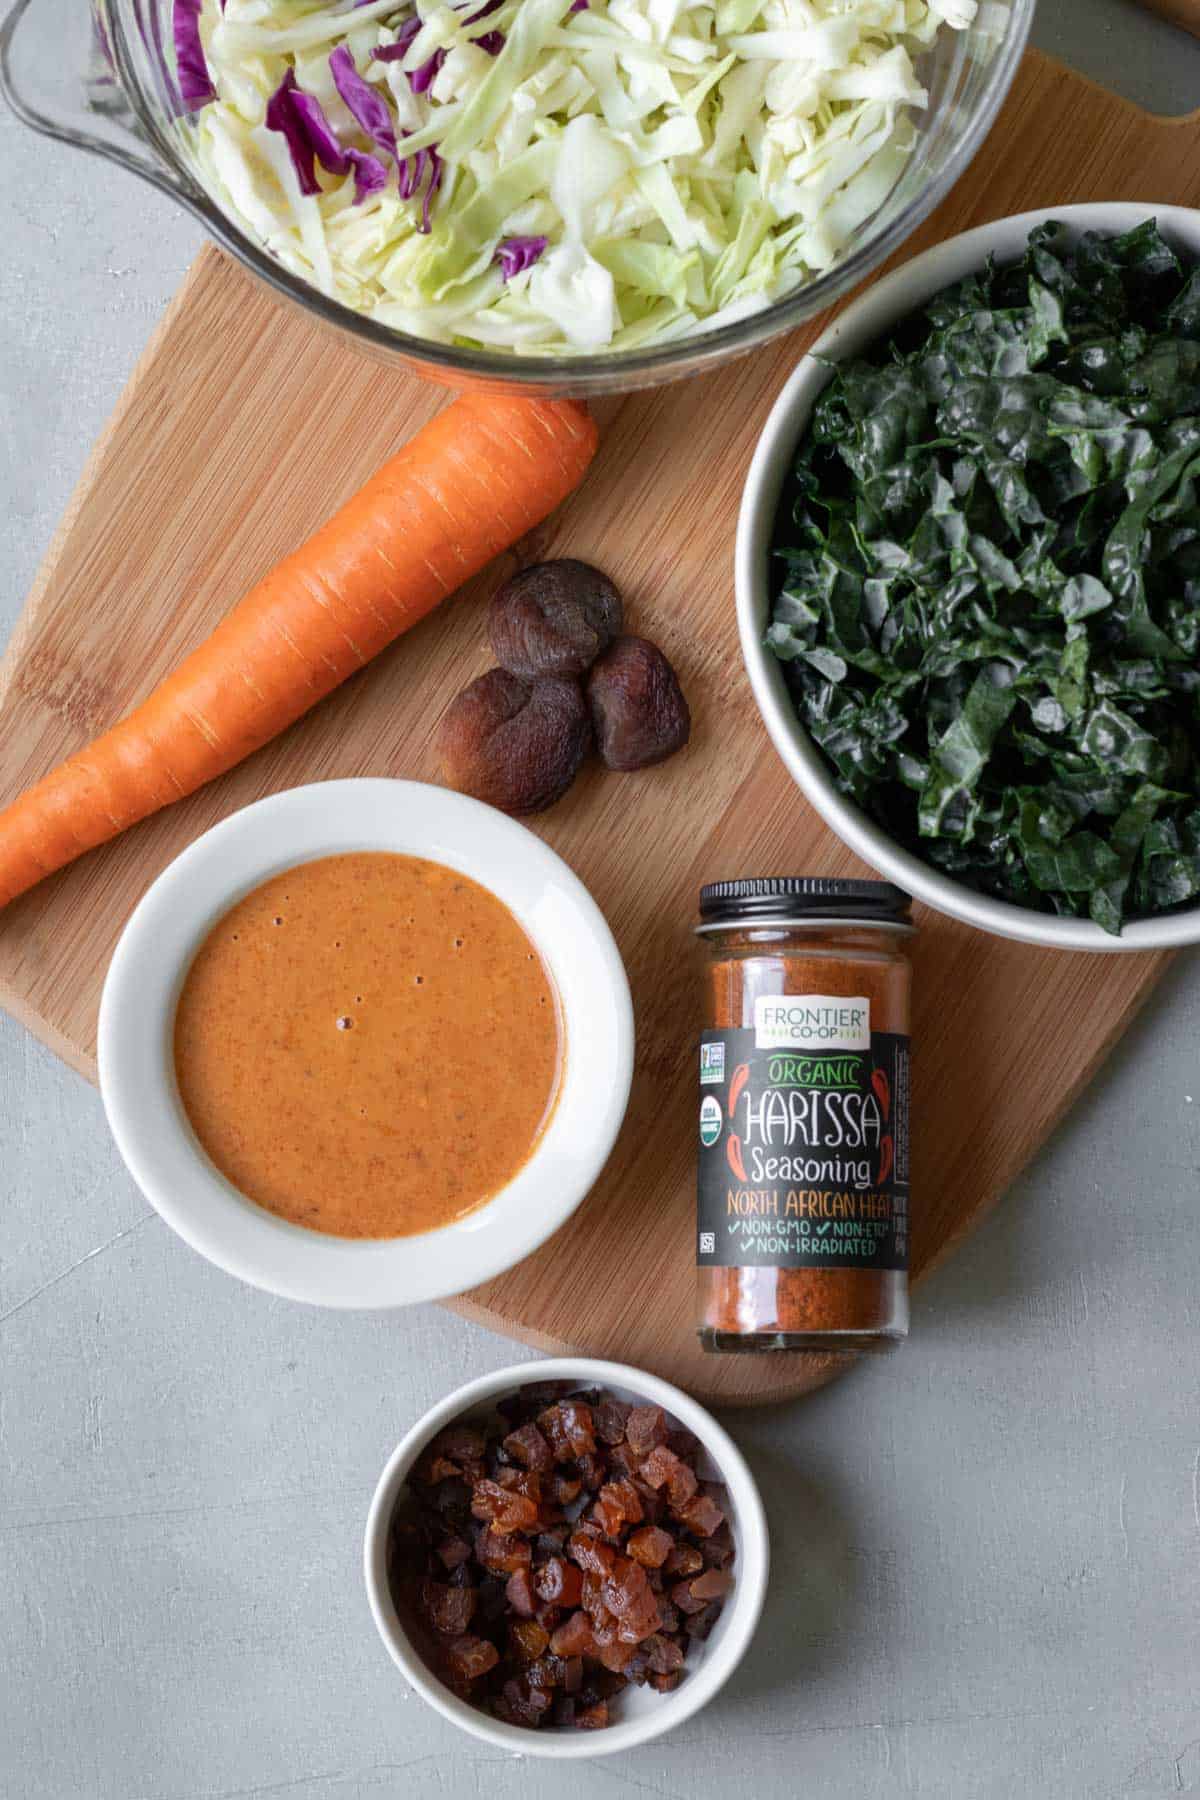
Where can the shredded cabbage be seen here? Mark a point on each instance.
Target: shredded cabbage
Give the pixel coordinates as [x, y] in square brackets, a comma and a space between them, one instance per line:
[558, 176]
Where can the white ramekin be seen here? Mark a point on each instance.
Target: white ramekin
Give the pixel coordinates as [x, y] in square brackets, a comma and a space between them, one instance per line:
[863, 322]
[642, 1713]
[137, 1012]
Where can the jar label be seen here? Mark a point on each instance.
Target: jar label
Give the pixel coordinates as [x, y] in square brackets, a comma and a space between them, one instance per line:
[803, 1152]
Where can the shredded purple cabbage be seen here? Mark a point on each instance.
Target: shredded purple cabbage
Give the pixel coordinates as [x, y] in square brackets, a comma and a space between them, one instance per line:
[195, 83]
[420, 80]
[369, 173]
[516, 254]
[282, 117]
[413, 171]
[308, 133]
[366, 106]
[578, 6]
[405, 36]
[435, 182]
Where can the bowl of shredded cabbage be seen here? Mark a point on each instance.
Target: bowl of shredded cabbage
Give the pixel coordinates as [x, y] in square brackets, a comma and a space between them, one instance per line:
[577, 194]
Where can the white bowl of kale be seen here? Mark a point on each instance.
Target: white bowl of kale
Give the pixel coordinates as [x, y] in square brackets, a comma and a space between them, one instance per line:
[968, 577]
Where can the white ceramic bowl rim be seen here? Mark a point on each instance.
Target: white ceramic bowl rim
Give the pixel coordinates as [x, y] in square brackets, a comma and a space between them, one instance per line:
[137, 1010]
[739, 1620]
[862, 323]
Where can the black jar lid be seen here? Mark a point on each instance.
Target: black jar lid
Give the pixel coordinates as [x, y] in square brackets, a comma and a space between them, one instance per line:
[802, 899]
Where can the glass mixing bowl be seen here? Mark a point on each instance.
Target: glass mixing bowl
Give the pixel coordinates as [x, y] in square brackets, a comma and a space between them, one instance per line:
[57, 77]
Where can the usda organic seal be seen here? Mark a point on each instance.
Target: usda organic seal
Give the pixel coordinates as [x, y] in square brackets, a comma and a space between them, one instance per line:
[710, 1121]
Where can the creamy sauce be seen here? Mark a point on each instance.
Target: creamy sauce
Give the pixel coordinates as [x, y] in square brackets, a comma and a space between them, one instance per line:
[368, 1045]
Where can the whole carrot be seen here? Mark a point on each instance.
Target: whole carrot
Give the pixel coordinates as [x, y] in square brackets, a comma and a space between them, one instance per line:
[484, 471]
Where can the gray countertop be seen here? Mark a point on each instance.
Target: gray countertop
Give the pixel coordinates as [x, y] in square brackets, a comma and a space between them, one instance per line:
[987, 1549]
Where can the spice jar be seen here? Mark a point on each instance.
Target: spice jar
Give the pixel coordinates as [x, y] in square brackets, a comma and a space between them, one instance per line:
[802, 1202]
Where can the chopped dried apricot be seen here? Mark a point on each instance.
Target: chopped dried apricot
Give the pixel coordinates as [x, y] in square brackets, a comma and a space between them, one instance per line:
[701, 1514]
[502, 1552]
[591, 1553]
[448, 1609]
[684, 1559]
[629, 1596]
[617, 1655]
[559, 1583]
[645, 1428]
[657, 1466]
[568, 1428]
[519, 1593]
[527, 1446]
[664, 1654]
[529, 1640]
[712, 1584]
[591, 1471]
[573, 1637]
[471, 1657]
[509, 1511]
[683, 1597]
[650, 1546]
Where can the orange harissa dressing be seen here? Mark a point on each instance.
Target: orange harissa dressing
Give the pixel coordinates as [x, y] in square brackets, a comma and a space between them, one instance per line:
[368, 1045]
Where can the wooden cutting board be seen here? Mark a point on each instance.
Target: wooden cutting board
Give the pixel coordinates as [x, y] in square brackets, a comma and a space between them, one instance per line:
[242, 428]
[1180, 12]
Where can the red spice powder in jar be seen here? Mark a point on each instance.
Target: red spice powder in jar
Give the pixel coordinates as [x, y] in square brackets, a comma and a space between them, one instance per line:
[802, 1195]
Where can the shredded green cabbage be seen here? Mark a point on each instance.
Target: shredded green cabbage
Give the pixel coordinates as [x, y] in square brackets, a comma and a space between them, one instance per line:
[686, 161]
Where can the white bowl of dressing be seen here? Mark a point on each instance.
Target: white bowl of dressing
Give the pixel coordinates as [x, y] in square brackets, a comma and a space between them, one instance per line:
[136, 1051]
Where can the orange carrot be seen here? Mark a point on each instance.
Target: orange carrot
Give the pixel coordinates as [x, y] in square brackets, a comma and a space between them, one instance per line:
[484, 471]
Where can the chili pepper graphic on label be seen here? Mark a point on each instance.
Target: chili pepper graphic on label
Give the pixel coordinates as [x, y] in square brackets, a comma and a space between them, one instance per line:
[883, 1090]
[887, 1153]
[737, 1082]
[733, 1150]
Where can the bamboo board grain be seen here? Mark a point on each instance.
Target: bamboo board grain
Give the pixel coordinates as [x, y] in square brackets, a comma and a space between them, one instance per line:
[242, 427]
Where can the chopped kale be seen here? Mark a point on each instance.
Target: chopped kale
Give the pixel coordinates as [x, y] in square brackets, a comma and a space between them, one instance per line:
[987, 597]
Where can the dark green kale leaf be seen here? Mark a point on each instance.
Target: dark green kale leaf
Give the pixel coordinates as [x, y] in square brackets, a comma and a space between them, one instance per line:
[988, 594]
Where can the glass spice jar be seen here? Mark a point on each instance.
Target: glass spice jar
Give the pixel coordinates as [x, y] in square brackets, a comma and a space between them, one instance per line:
[802, 1199]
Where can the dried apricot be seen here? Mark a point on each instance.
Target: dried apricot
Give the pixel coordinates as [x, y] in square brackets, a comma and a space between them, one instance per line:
[617, 1507]
[503, 1552]
[528, 1639]
[711, 1584]
[554, 618]
[574, 1636]
[684, 1559]
[519, 1593]
[527, 1445]
[639, 714]
[471, 1657]
[646, 1429]
[650, 1546]
[559, 1583]
[701, 1514]
[517, 745]
[448, 1609]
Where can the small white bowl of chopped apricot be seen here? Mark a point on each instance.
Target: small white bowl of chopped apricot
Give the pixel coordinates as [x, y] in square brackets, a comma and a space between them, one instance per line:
[566, 1558]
